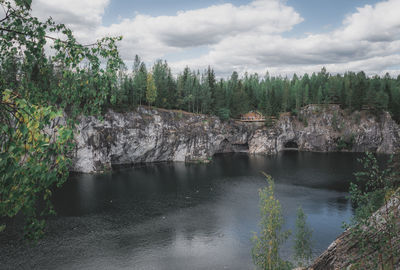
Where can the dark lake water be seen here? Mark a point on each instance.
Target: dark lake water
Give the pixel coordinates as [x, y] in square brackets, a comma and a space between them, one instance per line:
[186, 216]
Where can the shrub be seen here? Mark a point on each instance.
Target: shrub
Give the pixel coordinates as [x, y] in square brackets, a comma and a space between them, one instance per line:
[345, 143]
[265, 251]
[373, 188]
[302, 243]
[223, 114]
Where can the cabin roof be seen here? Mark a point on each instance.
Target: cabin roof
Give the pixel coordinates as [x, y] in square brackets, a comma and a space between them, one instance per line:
[253, 114]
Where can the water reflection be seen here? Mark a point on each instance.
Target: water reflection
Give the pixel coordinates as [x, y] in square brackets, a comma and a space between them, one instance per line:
[189, 216]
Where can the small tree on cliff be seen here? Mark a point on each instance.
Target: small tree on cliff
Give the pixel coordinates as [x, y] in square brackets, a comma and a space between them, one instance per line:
[265, 251]
[374, 233]
[151, 90]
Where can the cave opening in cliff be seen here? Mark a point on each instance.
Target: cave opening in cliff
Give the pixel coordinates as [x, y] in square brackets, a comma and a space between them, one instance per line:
[228, 147]
[240, 147]
[291, 145]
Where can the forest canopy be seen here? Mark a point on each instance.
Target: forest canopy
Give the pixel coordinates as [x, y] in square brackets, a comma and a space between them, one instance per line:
[89, 79]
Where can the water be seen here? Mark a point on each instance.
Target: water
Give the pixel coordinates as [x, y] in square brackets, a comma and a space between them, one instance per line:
[186, 216]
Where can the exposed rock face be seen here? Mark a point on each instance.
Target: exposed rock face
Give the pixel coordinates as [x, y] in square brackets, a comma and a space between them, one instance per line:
[149, 135]
[344, 252]
[152, 135]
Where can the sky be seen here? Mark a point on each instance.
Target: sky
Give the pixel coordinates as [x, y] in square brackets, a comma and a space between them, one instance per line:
[279, 36]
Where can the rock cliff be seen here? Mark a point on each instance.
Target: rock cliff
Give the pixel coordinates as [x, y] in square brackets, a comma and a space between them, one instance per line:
[345, 252]
[153, 135]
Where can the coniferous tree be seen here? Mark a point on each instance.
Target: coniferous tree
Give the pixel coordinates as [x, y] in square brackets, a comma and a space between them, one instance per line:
[160, 76]
[286, 96]
[151, 90]
[359, 91]
[320, 97]
[306, 95]
[212, 84]
[239, 103]
[140, 83]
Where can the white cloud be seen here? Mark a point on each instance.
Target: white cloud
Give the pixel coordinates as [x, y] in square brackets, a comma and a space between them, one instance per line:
[374, 23]
[82, 16]
[153, 37]
[368, 40]
[247, 37]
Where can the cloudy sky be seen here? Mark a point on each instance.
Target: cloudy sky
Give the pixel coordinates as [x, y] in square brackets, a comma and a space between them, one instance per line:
[278, 36]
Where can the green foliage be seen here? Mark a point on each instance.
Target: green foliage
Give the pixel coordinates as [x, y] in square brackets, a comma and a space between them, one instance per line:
[265, 251]
[151, 90]
[302, 118]
[135, 83]
[35, 90]
[373, 188]
[303, 240]
[223, 114]
[74, 78]
[359, 91]
[33, 160]
[335, 121]
[378, 95]
[165, 85]
[239, 101]
[91, 78]
[346, 143]
[269, 122]
[357, 118]
[372, 184]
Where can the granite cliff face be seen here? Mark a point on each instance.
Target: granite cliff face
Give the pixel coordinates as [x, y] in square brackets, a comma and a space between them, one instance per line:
[344, 252]
[154, 135]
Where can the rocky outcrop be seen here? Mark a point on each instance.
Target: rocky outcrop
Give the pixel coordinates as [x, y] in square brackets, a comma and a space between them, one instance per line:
[153, 135]
[346, 251]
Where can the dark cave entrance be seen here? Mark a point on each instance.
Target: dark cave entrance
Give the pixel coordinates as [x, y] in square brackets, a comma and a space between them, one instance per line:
[227, 147]
[291, 145]
[240, 147]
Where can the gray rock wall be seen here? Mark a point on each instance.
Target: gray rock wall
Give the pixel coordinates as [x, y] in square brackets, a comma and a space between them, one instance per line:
[154, 135]
[345, 252]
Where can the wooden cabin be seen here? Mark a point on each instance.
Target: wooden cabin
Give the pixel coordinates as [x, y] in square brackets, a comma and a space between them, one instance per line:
[253, 116]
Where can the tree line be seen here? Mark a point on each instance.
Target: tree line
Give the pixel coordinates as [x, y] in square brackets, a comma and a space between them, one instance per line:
[203, 92]
[194, 91]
